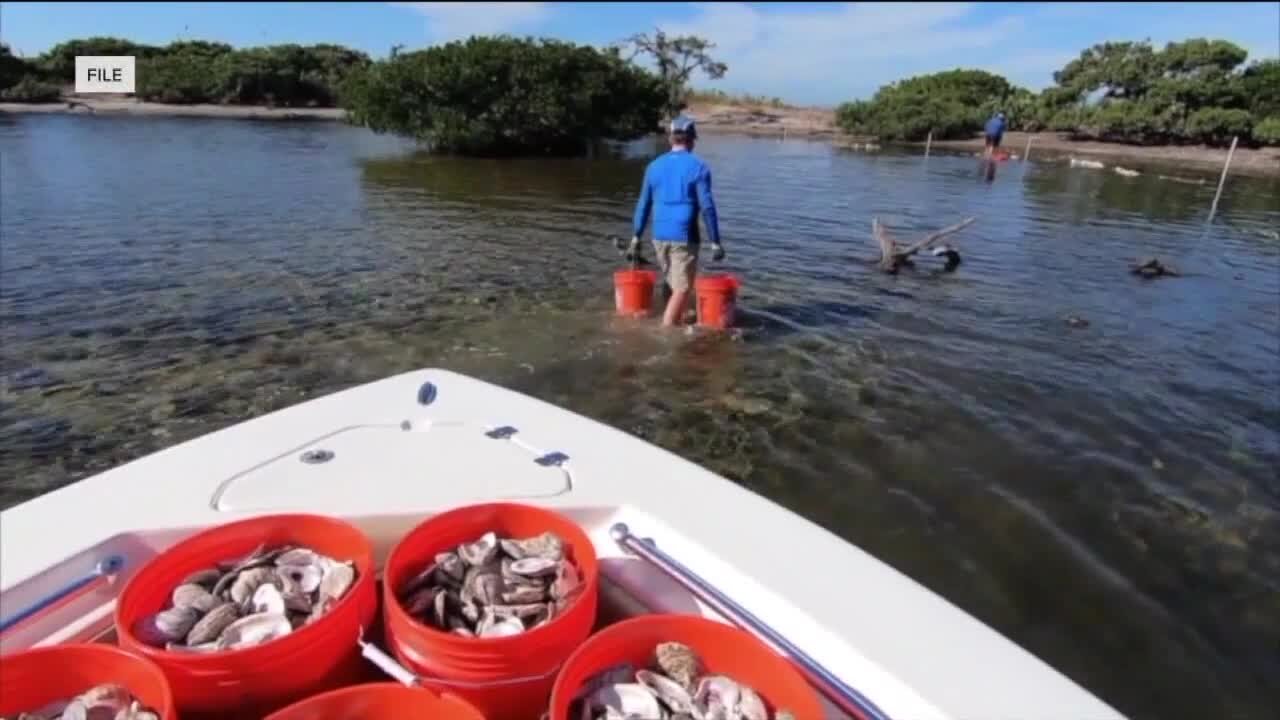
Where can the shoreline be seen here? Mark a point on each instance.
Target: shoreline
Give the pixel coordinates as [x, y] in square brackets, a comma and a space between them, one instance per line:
[817, 124]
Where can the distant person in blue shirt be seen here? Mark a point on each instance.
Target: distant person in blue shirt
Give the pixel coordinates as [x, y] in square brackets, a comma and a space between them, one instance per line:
[994, 131]
[677, 188]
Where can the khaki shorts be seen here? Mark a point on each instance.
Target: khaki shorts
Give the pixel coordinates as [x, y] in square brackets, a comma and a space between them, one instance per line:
[679, 263]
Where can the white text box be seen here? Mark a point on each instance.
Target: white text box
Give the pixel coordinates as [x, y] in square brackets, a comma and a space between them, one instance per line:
[105, 73]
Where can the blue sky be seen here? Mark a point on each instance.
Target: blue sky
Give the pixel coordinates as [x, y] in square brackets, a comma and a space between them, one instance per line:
[819, 53]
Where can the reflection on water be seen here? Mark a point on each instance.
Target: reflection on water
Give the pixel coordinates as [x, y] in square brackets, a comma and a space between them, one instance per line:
[1105, 495]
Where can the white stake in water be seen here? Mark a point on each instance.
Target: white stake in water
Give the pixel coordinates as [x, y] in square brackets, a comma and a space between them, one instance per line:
[1223, 180]
[928, 143]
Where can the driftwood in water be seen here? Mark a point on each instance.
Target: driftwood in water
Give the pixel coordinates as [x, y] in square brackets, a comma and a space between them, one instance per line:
[893, 257]
[1153, 268]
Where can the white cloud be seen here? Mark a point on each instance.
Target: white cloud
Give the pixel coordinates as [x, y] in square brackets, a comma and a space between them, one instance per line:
[849, 48]
[452, 21]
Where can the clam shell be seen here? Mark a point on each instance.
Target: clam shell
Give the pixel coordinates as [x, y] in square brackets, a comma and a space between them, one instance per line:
[107, 699]
[267, 599]
[194, 596]
[441, 609]
[630, 700]
[176, 622]
[336, 580]
[480, 552]
[671, 693]
[750, 706]
[305, 578]
[450, 567]
[483, 584]
[298, 601]
[523, 594]
[535, 567]
[248, 581]
[212, 624]
[254, 630]
[519, 611]
[547, 545]
[492, 626]
[298, 556]
[76, 710]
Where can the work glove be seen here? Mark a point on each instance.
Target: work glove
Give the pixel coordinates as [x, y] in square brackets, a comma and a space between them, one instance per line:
[717, 252]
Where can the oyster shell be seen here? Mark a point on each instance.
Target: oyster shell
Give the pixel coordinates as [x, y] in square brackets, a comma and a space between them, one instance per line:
[212, 624]
[176, 622]
[480, 552]
[194, 596]
[627, 700]
[254, 630]
[492, 585]
[678, 662]
[672, 694]
[547, 545]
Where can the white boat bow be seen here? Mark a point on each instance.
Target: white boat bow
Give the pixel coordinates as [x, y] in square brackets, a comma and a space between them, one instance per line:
[387, 454]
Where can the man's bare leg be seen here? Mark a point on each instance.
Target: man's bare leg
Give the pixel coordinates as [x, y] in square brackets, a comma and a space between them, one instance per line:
[674, 314]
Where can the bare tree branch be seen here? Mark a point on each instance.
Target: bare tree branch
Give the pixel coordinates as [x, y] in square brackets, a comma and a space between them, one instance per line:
[892, 258]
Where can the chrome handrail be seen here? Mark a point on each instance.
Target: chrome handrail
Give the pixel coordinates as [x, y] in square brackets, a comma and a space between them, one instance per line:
[109, 566]
[833, 688]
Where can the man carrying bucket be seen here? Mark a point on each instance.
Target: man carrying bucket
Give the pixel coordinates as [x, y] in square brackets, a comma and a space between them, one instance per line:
[677, 187]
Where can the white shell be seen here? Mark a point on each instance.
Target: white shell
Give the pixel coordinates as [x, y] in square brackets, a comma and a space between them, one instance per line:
[303, 577]
[336, 580]
[534, 567]
[481, 551]
[298, 556]
[630, 700]
[254, 630]
[671, 693]
[750, 706]
[267, 599]
[491, 626]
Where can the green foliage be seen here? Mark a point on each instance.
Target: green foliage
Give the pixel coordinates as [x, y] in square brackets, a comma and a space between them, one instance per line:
[12, 68]
[1267, 132]
[1190, 91]
[676, 59]
[1216, 126]
[723, 98]
[506, 96]
[280, 75]
[30, 89]
[952, 104]
[60, 60]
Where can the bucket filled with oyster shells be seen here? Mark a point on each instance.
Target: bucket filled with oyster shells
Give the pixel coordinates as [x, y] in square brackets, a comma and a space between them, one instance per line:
[83, 681]
[254, 614]
[379, 701]
[664, 666]
[487, 601]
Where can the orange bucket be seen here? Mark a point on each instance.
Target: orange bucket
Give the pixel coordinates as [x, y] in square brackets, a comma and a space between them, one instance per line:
[633, 291]
[717, 300]
[31, 679]
[257, 680]
[379, 701]
[724, 650]
[506, 678]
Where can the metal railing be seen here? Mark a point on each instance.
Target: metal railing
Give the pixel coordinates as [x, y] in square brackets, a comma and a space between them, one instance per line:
[835, 690]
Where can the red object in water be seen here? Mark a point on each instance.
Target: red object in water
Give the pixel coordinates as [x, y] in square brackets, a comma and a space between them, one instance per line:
[254, 681]
[506, 678]
[379, 701]
[633, 291]
[1001, 155]
[724, 650]
[31, 679]
[717, 300]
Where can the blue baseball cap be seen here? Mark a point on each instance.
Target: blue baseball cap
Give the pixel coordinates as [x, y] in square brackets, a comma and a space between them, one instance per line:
[684, 125]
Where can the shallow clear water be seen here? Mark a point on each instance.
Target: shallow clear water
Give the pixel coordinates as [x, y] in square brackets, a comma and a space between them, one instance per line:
[1105, 495]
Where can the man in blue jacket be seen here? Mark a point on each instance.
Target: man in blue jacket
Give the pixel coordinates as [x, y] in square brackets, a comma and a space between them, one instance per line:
[994, 131]
[677, 188]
